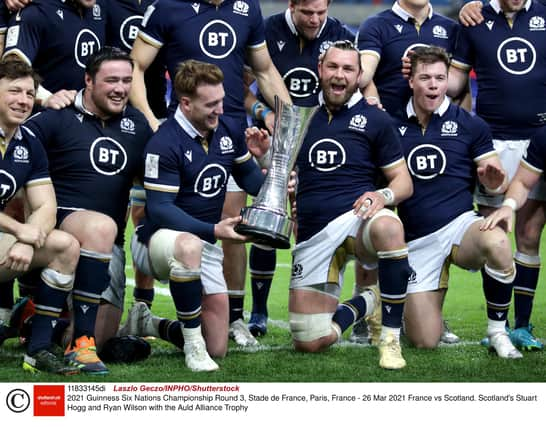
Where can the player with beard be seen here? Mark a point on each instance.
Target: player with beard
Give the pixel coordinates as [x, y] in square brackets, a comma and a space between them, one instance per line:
[342, 214]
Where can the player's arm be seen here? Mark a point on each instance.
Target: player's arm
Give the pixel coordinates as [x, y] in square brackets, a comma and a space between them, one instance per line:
[399, 188]
[254, 108]
[515, 198]
[268, 77]
[43, 206]
[457, 82]
[369, 62]
[143, 55]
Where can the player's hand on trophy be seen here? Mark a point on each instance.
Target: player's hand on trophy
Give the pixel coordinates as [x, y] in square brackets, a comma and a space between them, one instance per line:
[368, 204]
[470, 14]
[224, 230]
[257, 141]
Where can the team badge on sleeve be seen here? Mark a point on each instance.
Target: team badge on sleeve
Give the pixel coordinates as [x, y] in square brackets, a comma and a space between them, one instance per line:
[152, 166]
[12, 37]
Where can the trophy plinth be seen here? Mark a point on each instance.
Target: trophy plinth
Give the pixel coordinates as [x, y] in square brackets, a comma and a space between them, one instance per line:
[266, 227]
[266, 220]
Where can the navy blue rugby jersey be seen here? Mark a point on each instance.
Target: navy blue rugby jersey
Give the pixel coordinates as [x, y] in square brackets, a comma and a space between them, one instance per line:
[297, 58]
[177, 163]
[509, 57]
[389, 35]
[23, 164]
[92, 162]
[340, 159]
[52, 37]
[535, 158]
[199, 30]
[123, 24]
[442, 164]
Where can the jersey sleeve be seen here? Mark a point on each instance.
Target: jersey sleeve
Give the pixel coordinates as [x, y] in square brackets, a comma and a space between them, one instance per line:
[257, 35]
[482, 143]
[534, 158]
[388, 146]
[369, 37]
[463, 56]
[25, 33]
[40, 171]
[154, 25]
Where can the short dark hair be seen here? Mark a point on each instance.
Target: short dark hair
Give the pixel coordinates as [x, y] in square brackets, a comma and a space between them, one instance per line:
[192, 73]
[428, 55]
[107, 53]
[12, 69]
[342, 45]
[301, 1]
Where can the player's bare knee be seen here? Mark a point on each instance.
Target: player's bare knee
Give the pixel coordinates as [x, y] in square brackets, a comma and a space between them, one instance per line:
[387, 233]
[217, 349]
[65, 249]
[188, 249]
[99, 234]
[497, 248]
[426, 342]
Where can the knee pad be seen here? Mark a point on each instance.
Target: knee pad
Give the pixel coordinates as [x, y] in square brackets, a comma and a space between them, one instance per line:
[56, 280]
[180, 273]
[366, 238]
[310, 327]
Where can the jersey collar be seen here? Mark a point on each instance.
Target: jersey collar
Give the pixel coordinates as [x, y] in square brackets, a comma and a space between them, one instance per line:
[292, 26]
[440, 110]
[397, 10]
[497, 8]
[357, 96]
[78, 104]
[17, 135]
[186, 125]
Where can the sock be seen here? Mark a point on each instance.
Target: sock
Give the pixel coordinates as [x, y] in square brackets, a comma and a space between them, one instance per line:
[186, 289]
[144, 295]
[6, 295]
[29, 283]
[58, 331]
[349, 312]
[262, 267]
[236, 303]
[525, 285]
[393, 274]
[92, 278]
[49, 302]
[171, 330]
[497, 288]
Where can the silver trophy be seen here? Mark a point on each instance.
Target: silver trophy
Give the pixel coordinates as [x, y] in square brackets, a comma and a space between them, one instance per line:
[266, 220]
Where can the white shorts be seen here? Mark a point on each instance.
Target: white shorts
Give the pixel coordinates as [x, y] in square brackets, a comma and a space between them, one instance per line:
[510, 153]
[232, 186]
[115, 292]
[319, 263]
[430, 255]
[212, 275]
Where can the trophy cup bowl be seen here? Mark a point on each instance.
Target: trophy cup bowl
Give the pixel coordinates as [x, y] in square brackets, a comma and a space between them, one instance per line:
[266, 221]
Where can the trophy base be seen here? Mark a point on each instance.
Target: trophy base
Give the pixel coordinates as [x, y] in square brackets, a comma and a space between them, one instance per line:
[266, 227]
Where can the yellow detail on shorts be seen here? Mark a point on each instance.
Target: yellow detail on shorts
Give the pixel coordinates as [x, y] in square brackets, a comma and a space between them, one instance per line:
[340, 258]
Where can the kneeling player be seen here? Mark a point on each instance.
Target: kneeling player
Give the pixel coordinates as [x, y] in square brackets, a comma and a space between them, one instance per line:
[446, 149]
[341, 214]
